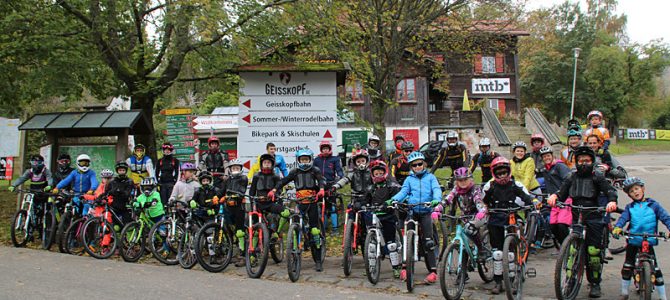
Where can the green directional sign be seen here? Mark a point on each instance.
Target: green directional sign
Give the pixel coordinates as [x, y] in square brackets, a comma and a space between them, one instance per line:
[179, 151]
[185, 157]
[174, 125]
[183, 144]
[179, 118]
[180, 138]
[176, 131]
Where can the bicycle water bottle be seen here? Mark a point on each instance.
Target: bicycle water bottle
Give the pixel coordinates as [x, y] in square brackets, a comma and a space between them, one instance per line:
[393, 254]
[512, 265]
[210, 246]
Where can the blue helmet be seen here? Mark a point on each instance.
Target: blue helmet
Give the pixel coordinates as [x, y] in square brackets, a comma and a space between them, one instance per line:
[574, 132]
[630, 182]
[416, 155]
[304, 152]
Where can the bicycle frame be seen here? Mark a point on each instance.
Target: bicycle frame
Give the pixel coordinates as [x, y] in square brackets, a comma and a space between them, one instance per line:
[27, 205]
[354, 242]
[376, 229]
[464, 243]
[513, 228]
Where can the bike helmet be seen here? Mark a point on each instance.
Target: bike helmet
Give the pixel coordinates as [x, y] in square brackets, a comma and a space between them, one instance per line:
[399, 138]
[452, 138]
[304, 153]
[83, 162]
[462, 173]
[501, 163]
[545, 150]
[407, 146]
[630, 182]
[106, 173]
[584, 150]
[361, 153]
[519, 144]
[236, 162]
[270, 158]
[485, 142]
[168, 146]
[213, 139]
[37, 162]
[64, 159]
[536, 137]
[206, 175]
[121, 165]
[378, 165]
[575, 132]
[148, 185]
[416, 155]
[375, 154]
[594, 113]
[374, 138]
[326, 144]
[188, 166]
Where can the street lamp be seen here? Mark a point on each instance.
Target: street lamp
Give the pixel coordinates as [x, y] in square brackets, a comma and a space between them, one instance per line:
[574, 83]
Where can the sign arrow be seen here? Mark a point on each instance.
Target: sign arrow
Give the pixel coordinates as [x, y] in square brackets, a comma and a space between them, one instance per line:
[247, 165]
[247, 103]
[327, 135]
[247, 119]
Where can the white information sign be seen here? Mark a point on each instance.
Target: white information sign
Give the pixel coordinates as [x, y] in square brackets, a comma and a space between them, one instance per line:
[292, 103]
[490, 86]
[637, 134]
[9, 130]
[215, 122]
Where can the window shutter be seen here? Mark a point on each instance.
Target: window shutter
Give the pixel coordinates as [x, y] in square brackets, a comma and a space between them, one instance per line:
[478, 64]
[500, 63]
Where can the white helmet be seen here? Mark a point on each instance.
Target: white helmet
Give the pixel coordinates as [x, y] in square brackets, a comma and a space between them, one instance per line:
[452, 135]
[485, 142]
[83, 162]
[236, 162]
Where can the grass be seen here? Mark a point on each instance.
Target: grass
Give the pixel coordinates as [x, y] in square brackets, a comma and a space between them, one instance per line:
[633, 146]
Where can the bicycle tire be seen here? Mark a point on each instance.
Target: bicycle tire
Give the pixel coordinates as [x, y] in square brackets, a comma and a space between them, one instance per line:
[158, 243]
[132, 242]
[574, 242]
[277, 248]
[73, 242]
[620, 245]
[222, 249]
[646, 288]
[373, 261]
[409, 264]
[485, 269]
[348, 251]
[513, 286]
[186, 250]
[260, 230]
[18, 232]
[65, 222]
[293, 253]
[322, 249]
[452, 252]
[48, 229]
[532, 225]
[92, 229]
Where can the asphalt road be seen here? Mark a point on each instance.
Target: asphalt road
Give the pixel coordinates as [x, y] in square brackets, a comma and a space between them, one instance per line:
[35, 274]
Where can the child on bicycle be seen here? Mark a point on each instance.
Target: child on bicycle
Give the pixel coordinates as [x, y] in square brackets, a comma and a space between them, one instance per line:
[584, 186]
[383, 188]
[502, 192]
[233, 186]
[150, 199]
[359, 178]
[106, 176]
[206, 197]
[422, 187]
[40, 180]
[643, 215]
[261, 184]
[121, 188]
[184, 188]
[309, 185]
[331, 169]
[82, 180]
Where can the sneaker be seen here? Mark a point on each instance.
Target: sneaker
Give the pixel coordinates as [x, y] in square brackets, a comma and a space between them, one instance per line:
[318, 266]
[608, 255]
[431, 278]
[595, 291]
[497, 289]
[396, 273]
[467, 277]
[403, 275]
[240, 262]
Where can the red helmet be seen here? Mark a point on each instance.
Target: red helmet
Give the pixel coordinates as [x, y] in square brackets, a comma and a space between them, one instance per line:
[536, 137]
[213, 139]
[326, 144]
[594, 113]
[168, 146]
[378, 165]
[499, 163]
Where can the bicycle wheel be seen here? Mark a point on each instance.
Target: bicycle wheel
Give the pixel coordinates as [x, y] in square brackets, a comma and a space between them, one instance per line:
[569, 269]
[373, 259]
[49, 229]
[73, 241]
[277, 247]
[214, 247]
[163, 243]
[615, 246]
[348, 251]
[99, 238]
[450, 272]
[18, 232]
[645, 281]
[65, 222]
[513, 269]
[320, 252]
[257, 253]
[409, 264]
[186, 249]
[132, 242]
[293, 253]
[531, 228]
[485, 264]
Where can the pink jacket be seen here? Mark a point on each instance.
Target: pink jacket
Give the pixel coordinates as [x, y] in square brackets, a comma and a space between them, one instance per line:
[561, 215]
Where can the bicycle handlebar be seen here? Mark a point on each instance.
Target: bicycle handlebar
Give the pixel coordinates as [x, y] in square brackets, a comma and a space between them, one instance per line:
[662, 235]
[511, 209]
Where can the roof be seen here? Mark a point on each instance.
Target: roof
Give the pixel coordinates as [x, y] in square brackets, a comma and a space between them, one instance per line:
[93, 123]
[309, 66]
[498, 27]
[226, 110]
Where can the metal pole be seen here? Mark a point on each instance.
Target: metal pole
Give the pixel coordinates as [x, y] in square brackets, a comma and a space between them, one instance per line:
[574, 84]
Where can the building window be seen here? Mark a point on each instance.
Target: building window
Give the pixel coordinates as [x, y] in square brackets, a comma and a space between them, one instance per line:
[406, 90]
[355, 91]
[488, 64]
[493, 103]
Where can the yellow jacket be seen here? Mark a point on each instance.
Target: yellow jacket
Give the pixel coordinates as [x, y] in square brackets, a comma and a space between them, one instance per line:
[524, 172]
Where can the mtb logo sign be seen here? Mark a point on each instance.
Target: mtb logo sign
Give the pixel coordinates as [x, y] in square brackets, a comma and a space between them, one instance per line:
[490, 86]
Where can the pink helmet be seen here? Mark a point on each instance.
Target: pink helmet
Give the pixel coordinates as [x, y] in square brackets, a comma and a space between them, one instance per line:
[378, 165]
[462, 173]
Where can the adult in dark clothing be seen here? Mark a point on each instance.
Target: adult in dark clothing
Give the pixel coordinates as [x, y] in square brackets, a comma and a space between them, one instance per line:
[63, 169]
[484, 159]
[215, 162]
[400, 168]
[122, 189]
[452, 154]
[167, 172]
[331, 169]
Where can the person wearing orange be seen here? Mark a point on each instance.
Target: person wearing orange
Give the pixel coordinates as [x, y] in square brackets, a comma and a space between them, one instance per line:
[595, 119]
[105, 176]
[574, 141]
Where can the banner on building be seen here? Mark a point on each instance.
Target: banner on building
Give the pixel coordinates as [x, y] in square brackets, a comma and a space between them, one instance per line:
[6, 168]
[637, 134]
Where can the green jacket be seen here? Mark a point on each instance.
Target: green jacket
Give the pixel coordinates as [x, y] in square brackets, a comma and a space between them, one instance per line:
[153, 203]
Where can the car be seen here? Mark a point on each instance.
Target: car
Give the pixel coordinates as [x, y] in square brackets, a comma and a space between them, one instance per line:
[430, 151]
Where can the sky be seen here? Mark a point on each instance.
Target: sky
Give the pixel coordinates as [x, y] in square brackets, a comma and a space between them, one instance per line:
[645, 17]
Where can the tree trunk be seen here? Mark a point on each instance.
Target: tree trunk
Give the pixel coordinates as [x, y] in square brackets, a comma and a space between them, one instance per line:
[146, 104]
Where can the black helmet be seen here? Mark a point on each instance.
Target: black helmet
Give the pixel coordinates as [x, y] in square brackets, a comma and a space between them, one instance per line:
[121, 165]
[205, 174]
[584, 150]
[64, 156]
[407, 145]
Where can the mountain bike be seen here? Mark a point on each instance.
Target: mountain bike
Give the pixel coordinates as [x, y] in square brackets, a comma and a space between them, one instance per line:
[412, 248]
[257, 239]
[645, 264]
[186, 248]
[134, 234]
[31, 218]
[73, 238]
[375, 244]
[354, 235]
[300, 238]
[515, 252]
[214, 243]
[571, 261]
[451, 269]
[98, 236]
[67, 216]
[164, 236]
[537, 230]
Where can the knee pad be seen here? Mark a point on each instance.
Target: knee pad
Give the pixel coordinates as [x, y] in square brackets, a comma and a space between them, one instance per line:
[315, 231]
[239, 234]
[285, 213]
[593, 251]
[392, 247]
[497, 255]
[627, 271]
[429, 244]
[659, 281]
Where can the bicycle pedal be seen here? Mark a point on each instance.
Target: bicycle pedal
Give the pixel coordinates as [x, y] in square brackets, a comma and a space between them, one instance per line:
[531, 273]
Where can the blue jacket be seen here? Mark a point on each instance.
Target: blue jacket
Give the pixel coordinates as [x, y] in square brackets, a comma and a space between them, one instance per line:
[420, 189]
[280, 164]
[81, 182]
[329, 166]
[643, 217]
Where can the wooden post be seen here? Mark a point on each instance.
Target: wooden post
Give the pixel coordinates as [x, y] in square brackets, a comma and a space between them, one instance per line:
[122, 145]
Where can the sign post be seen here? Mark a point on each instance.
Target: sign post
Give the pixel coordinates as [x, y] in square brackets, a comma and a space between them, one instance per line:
[180, 132]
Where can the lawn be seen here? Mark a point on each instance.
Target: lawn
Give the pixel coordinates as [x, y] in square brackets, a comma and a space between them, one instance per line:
[633, 146]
